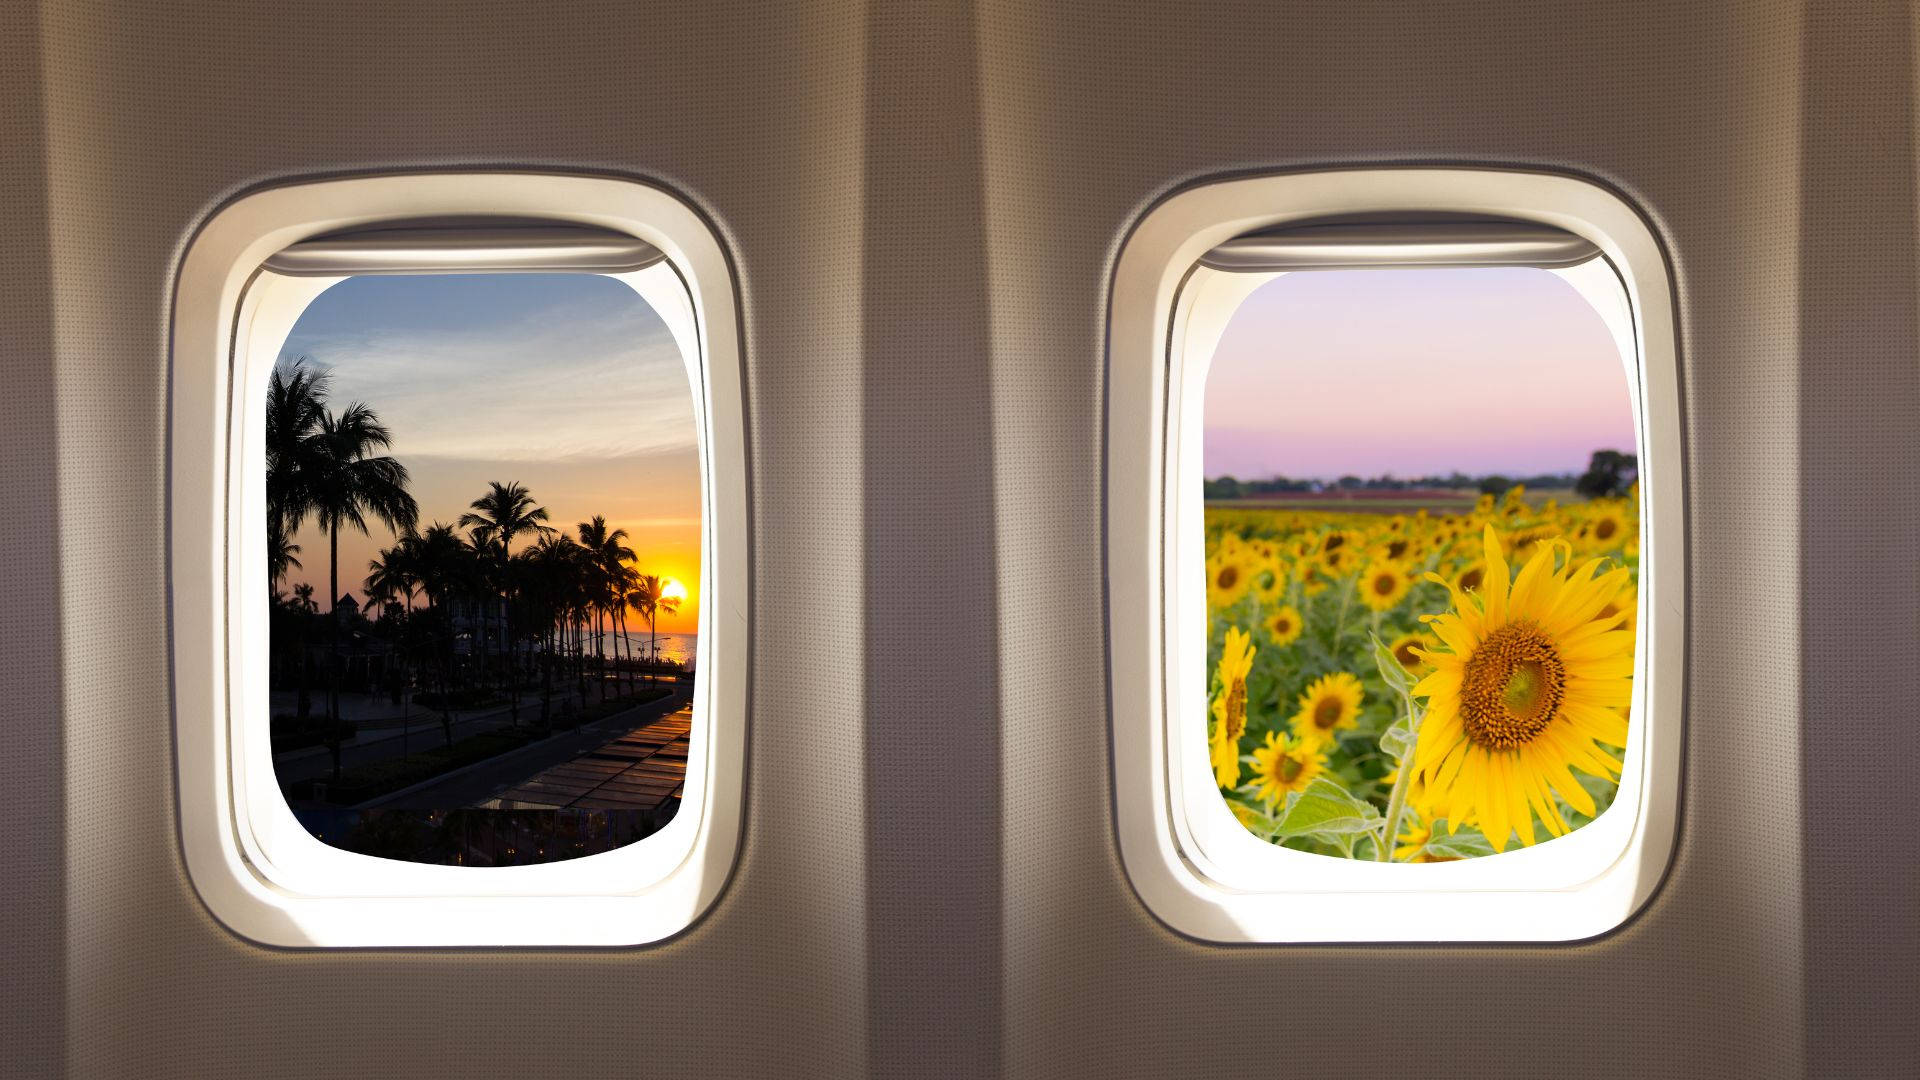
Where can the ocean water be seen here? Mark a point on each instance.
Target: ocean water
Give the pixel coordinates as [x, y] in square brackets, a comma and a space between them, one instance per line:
[678, 648]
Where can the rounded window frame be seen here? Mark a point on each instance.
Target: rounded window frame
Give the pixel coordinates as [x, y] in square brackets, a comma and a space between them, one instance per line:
[1184, 855]
[278, 885]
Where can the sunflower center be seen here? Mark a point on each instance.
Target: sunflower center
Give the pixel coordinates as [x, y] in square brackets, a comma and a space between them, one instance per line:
[1236, 708]
[1383, 584]
[1334, 541]
[1605, 528]
[1405, 655]
[1326, 713]
[1288, 769]
[1228, 577]
[1512, 687]
[1471, 579]
[1396, 549]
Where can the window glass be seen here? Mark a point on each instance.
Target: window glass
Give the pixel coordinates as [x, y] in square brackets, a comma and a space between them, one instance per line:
[483, 526]
[1422, 556]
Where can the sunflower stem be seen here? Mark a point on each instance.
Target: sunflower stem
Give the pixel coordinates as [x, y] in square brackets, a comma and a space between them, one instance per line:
[1397, 800]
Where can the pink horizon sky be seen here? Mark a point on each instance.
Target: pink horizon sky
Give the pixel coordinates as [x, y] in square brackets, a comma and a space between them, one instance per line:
[1414, 373]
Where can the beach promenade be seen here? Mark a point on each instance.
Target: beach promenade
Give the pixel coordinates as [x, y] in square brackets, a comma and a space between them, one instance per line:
[383, 735]
[479, 783]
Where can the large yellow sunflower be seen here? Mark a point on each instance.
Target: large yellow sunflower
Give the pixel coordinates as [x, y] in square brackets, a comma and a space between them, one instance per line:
[1229, 708]
[1384, 584]
[1529, 685]
[1284, 764]
[1328, 705]
[1284, 626]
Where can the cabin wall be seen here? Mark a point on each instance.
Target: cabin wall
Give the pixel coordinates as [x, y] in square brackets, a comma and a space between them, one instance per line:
[155, 115]
[924, 205]
[1689, 110]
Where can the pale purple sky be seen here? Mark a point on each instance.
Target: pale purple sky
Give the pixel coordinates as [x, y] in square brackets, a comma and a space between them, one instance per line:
[1414, 372]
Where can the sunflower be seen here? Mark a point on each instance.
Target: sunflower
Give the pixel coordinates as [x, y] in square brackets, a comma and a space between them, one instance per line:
[1284, 626]
[1384, 585]
[1337, 562]
[1529, 685]
[1396, 548]
[1626, 607]
[1223, 753]
[1228, 579]
[1312, 576]
[1470, 577]
[1337, 540]
[1328, 705]
[1230, 708]
[1606, 531]
[1284, 764]
[1270, 581]
[1405, 649]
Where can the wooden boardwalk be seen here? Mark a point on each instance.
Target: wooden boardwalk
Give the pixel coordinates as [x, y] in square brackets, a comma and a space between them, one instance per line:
[640, 770]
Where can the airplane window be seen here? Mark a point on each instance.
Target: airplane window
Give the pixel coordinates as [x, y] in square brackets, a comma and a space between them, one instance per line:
[458, 558]
[1421, 555]
[1395, 562]
[482, 521]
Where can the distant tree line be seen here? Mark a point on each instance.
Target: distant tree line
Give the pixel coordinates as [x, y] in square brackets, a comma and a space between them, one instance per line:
[1609, 473]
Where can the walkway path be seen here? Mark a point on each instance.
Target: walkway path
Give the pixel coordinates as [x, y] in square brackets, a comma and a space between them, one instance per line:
[478, 783]
[313, 762]
[637, 771]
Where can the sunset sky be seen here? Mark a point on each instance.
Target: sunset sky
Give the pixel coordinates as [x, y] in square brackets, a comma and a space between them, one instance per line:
[1414, 372]
[566, 383]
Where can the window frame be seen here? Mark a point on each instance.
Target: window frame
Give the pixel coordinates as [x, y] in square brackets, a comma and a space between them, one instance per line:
[1186, 857]
[258, 872]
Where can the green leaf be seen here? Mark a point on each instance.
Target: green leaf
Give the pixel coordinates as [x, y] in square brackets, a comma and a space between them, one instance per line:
[1325, 807]
[1468, 843]
[1391, 672]
[1397, 741]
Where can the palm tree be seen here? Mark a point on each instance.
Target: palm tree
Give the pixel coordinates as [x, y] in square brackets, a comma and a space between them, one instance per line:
[620, 578]
[303, 601]
[608, 550]
[503, 513]
[280, 553]
[296, 401]
[439, 562]
[649, 600]
[391, 576]
[345, 483]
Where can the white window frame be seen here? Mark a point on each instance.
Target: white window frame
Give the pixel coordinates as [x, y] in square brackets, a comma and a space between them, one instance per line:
[1192, 864]
[258, 871]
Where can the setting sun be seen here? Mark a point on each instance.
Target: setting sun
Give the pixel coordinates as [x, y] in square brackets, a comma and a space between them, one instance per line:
[672, 589]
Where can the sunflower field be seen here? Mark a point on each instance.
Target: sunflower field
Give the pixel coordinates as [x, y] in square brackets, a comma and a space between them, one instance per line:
[1421, 687]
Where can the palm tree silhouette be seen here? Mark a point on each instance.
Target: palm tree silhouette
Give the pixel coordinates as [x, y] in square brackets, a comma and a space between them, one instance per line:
[439, 561]
[392, 576]
[609, 552]
[303, 602]
[296, 400]
[344, 482]
[496, 518]
[649, 600]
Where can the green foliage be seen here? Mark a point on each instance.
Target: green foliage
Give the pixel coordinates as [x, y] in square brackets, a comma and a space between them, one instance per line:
[1323, 810]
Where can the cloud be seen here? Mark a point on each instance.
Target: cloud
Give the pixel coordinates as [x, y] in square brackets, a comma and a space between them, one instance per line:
[569, 380]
